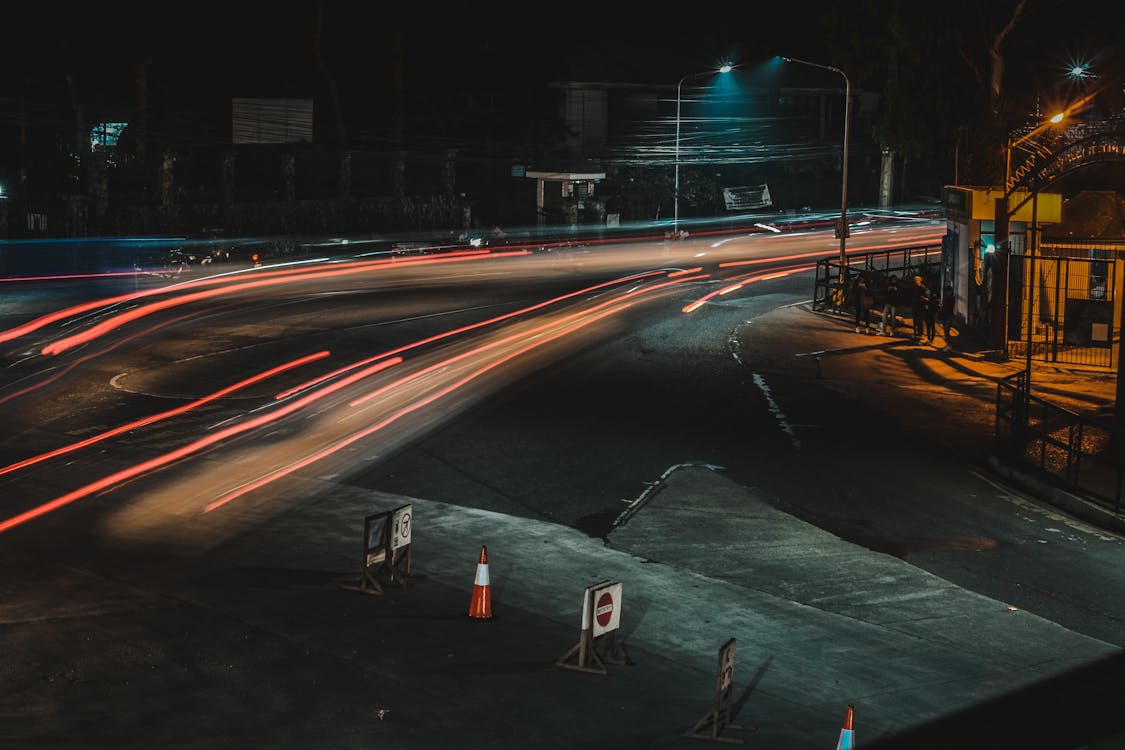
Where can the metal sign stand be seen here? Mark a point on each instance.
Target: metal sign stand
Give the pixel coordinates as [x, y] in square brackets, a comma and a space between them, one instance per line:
[711, 726]
[383, 563]
[593, 652]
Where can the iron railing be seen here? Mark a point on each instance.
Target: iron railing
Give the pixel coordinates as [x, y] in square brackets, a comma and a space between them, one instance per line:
[1069, 450]
[833, 281]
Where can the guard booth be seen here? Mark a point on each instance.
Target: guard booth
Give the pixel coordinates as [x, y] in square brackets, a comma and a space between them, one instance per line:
[567, 198]
[976, 266]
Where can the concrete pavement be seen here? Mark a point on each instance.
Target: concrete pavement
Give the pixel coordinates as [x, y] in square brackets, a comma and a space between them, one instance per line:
[251, 640]
[952, 391]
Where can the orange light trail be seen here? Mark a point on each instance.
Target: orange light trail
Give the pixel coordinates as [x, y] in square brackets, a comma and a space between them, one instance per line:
[775, 258]
[65, 276]
[87, 358]
[368, 431]
[152, 419]
[121, 319]
[742, 282]
[276, 276]
[815, 254]
[508, 339]
[194, 447]
[463, 329]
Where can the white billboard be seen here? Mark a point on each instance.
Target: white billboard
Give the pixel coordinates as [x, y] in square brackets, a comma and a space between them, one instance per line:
[271, 120]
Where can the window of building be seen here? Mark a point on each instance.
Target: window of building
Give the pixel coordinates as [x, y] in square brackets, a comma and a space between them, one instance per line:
[104, 136]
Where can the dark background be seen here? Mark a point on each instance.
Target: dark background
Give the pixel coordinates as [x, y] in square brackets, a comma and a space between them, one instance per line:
[475, 77]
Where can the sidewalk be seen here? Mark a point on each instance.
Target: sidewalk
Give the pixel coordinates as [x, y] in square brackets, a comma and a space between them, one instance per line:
[952, 391]
[258, 643]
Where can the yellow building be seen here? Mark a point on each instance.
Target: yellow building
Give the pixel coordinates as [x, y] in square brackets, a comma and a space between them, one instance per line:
[1054, 300]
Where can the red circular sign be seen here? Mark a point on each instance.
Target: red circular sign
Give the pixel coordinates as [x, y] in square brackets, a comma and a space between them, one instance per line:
[604, 611]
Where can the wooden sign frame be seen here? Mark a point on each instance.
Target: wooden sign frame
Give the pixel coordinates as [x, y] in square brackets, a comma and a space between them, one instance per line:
[711, 726]
[387, 557]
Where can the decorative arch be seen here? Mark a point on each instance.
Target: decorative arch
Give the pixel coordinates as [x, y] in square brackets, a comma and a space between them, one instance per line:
[1046, 166]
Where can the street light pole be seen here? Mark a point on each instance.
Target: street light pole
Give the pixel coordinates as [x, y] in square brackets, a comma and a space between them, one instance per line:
[1003, 215]
[843, 230]
[676, 187]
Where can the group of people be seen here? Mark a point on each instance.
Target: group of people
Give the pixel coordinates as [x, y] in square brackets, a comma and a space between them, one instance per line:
[925, 308]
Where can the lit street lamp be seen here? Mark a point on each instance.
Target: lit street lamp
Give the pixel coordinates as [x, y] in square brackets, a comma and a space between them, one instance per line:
[676, 188]
[843, 229]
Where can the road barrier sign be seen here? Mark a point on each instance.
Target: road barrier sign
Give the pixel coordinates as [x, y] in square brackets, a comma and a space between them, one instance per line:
[387, 557]
[711, 726]
[400, 526]
[607, 609]
[598, 643]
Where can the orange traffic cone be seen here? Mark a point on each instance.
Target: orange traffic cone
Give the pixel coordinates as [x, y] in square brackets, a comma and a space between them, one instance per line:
[846, 740]
[480, 608]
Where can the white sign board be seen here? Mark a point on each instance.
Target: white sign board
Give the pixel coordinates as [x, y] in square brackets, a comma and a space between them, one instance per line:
[271, 120]
[586, 598]
[747, 198]
[606, 603]
[401, 524]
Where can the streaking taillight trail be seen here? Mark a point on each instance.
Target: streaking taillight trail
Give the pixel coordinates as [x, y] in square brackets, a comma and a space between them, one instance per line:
[187, 450]
[230, 283]
[168, 414]
[433, 378]
[561, 327]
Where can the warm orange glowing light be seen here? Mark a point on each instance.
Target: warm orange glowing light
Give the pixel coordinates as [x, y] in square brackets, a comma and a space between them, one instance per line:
[367, 432]
[233, 283]
[463, 329]
[153, 418]
[509, 339]
[742, 281]
[194, 447]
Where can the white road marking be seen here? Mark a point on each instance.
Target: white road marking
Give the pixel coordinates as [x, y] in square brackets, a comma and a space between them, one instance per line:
[776, 411]
[653, 487]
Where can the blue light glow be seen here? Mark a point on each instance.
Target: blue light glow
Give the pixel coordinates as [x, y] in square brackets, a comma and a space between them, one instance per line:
[104, 136]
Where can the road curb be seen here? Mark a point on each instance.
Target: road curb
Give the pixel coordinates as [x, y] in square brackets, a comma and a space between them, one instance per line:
[1067, 501]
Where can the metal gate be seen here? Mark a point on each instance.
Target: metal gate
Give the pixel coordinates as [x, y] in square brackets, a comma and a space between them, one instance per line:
[1061, 309]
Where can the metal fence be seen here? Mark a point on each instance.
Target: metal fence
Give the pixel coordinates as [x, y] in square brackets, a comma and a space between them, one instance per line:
[1061, 309]
[833, 280]
[1062, 446]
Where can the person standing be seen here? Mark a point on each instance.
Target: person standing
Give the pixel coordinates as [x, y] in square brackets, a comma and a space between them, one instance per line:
[863, 300]
[892, 295]
[931, 317]
[919, 307]
[946, 313]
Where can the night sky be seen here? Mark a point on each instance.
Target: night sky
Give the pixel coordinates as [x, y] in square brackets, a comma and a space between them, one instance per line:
[268, 49]
[201, 55]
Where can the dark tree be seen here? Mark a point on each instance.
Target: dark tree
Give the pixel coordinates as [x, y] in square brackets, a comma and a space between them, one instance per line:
[947, 73]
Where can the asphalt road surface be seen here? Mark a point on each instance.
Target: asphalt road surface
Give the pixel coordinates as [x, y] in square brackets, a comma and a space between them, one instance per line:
[547, 386]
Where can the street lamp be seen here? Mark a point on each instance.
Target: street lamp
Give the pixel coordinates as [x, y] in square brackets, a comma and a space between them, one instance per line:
[843, 230]
[676, 187]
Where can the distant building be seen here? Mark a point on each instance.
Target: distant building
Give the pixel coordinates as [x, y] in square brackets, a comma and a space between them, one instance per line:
[607, 152]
